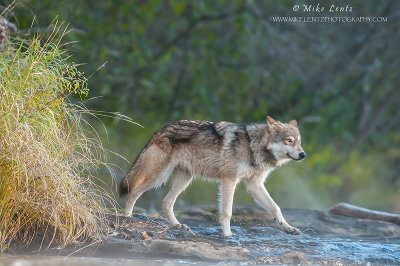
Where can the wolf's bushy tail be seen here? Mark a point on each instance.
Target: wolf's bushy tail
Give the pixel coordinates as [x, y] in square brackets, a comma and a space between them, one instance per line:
[129, 179]
[123, 187]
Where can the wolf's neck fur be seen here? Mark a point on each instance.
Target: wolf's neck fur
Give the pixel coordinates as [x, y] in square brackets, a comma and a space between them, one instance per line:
[270, 158]
[258, 146]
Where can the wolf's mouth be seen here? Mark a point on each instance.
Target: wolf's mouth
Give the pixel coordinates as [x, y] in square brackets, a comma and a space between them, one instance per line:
[294, 158]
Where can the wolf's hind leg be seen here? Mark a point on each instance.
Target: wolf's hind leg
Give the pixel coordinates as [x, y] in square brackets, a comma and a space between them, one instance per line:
[134, 194]
[180, 182]
[147, 178]
[227, 191]
[257, 189]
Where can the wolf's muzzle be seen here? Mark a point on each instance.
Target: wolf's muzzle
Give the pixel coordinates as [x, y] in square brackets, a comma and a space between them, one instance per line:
[302, 155]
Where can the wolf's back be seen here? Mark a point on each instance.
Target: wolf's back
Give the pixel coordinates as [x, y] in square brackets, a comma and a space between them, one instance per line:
[204, 134]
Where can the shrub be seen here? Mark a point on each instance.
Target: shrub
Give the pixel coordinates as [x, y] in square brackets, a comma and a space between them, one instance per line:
[46, 149]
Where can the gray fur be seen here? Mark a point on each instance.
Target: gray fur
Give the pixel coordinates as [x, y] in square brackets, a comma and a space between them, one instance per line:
[219, 150]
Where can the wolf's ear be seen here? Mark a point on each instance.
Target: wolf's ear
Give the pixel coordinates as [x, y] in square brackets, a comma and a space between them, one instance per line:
[293, 123]
[270, 120]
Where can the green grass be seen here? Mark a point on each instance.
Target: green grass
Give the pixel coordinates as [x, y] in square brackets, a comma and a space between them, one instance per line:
[47, 150]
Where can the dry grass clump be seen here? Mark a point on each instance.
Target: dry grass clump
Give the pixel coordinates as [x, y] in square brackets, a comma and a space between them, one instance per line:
[46, 191]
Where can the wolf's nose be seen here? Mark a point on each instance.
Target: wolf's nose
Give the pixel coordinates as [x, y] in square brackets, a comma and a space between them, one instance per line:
[302, 155]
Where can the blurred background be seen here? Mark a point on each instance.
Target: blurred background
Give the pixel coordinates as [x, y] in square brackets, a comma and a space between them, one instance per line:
[228, 60]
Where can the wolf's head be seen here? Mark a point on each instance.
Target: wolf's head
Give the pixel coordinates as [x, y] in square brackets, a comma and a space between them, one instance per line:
[285, 140]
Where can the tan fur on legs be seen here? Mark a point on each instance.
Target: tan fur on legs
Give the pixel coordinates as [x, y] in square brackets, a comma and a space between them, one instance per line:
[180, 182]
[132, 198]
[257, 189]
[149, 176]
[227, 190]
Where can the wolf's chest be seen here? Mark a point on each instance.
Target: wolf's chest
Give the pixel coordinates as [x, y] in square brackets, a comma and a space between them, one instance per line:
[245, 170]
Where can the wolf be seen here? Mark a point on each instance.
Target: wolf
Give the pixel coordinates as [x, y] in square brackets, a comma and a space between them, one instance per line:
[224, 151]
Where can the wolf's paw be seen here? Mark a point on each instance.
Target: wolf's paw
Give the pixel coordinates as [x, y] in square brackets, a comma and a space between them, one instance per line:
[228, 234]
[127, 214]
[183, 227]
[291, 230]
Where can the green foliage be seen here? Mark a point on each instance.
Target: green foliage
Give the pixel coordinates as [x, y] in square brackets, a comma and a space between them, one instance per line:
[220, 60]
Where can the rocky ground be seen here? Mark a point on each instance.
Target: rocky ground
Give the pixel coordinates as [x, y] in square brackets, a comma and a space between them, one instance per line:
[324, 239]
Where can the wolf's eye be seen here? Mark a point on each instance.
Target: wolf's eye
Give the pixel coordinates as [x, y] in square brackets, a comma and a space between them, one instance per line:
[289, 140]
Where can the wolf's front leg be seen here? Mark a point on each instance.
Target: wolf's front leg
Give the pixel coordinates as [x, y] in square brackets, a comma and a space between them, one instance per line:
[257, 189]
[227, 190]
